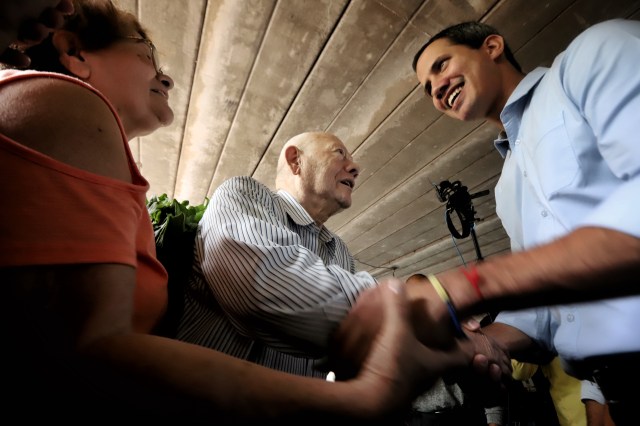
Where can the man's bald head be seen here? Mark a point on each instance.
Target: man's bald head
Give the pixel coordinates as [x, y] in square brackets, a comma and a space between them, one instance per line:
[306, 144]
[317, 169]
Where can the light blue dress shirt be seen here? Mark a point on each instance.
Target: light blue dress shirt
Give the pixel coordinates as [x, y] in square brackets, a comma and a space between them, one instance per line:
[572, 159]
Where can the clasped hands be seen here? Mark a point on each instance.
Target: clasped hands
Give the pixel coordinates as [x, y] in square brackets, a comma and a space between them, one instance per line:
[476, 361]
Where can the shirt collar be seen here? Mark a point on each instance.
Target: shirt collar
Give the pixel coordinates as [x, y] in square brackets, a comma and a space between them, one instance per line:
[511, 115]
[300, 216]
[294, 209]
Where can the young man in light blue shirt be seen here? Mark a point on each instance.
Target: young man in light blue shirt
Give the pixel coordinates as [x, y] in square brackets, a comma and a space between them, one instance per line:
[567, 195]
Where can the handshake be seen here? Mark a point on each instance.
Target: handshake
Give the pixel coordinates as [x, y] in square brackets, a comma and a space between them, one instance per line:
[406, 332]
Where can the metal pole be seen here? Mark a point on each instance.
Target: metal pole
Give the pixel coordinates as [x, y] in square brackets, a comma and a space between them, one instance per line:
[475, 243]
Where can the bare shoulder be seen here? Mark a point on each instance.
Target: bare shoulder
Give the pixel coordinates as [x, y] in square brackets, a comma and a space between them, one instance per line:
[65, 121]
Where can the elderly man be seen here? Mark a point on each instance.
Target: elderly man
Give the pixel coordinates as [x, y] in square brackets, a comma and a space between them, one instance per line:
[270, 281]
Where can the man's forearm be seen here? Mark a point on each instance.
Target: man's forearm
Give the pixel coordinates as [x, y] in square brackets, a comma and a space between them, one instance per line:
[588, 264]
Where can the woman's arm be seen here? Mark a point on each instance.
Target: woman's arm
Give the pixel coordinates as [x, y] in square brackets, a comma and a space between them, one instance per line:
[76, 320]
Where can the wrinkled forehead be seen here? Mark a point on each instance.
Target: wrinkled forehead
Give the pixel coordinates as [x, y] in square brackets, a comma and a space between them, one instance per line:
[317, 144]
[326, 141]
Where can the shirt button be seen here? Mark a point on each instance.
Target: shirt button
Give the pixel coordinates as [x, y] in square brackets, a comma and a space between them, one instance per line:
[524, 173]
[544, 213]
[517, 141]
[570, 318]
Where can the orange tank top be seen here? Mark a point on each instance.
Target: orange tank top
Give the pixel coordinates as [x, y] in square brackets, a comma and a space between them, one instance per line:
[58, 214]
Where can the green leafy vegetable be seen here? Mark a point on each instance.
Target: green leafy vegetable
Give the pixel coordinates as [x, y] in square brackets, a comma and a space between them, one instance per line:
[170, 216]
[174, 225]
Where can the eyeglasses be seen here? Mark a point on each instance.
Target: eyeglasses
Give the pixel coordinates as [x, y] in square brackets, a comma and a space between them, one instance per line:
[152, 48]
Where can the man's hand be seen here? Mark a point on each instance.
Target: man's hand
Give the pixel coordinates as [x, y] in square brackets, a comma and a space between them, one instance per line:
[24, 23]
[429, 314]
[491, 368]
[429, 318]
[491, 358]
[486, 378]
[353, 339]
[395, 366]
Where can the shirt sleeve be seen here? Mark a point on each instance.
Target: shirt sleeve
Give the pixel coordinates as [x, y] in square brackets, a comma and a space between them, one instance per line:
[590, 390]
[600, 75]
[269, 284]
[535, 323]
[495, 415]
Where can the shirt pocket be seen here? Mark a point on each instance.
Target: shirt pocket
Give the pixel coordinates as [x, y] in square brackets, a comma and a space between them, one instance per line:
[554, 159]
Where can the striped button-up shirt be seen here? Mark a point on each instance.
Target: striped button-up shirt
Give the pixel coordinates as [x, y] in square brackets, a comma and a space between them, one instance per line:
[268, 284]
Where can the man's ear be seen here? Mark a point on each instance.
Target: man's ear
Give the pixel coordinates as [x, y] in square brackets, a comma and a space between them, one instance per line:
[70, 55]
[494, 46]
[292, 155]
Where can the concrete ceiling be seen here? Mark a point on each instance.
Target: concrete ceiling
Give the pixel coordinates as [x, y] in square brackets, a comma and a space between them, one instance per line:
[250, 74]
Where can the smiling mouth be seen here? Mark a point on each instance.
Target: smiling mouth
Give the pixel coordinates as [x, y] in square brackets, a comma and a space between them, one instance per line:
[453, 96]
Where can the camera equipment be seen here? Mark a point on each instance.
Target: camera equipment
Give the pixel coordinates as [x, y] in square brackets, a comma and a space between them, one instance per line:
[459, 202]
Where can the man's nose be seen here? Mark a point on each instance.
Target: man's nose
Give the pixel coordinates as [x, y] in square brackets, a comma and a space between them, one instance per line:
[353, 168]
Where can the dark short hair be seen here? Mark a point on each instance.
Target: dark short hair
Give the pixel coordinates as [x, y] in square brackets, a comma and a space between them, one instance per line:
[97, 24]
[471, 34]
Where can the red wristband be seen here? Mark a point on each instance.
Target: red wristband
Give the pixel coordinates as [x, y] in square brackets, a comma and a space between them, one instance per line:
[474, 279]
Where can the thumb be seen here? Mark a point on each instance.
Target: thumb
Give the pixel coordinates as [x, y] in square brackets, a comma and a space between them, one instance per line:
[471, 325]
[395, 302]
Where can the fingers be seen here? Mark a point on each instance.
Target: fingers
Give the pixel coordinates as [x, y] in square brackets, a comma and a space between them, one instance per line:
[37, 29]
[28, 23]
[480, 364]
[352, 341]
[491, 363]
[395, 336]
[392, 300]
[448, 364]
[395, 300]
[418, 366]
[65, 7]
[33, 31]
[496, 373]
[15, 58]
[471, 325]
